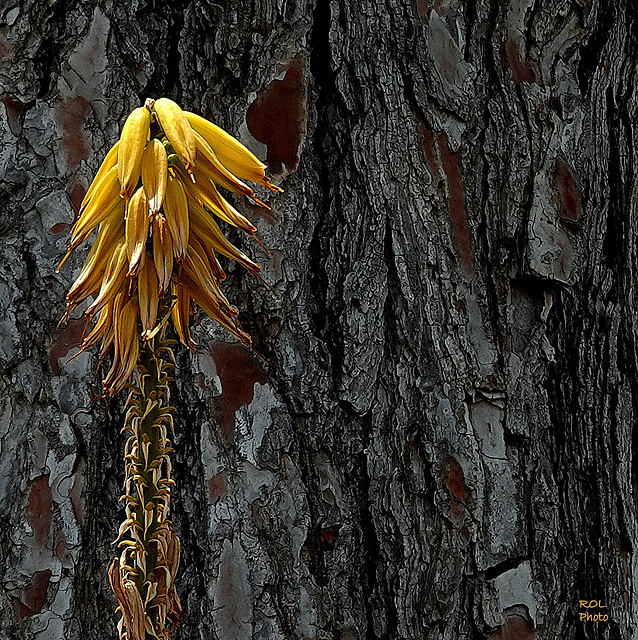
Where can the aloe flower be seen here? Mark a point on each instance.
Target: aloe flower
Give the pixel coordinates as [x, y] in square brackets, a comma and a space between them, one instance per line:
[154, 202]
[151, 202]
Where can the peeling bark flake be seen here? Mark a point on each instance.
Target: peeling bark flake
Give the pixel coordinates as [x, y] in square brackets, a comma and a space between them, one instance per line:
[571, 206]
[77, 491]
[446, 165]
[422, 7]
[429, 150]
[515, 628]
[64, 340]
[15, 109]
[278, 115]
[238, 371]
[34, 596]
[77, 195]
[520, 66]
[217, 487]
[456, 204]
[71, 115]
[454, 479]
[60, 547]
[38, 510]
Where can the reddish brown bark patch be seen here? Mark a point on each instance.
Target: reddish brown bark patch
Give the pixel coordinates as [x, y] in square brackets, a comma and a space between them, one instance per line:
[77, 195]
[238, 372]
[5, 48]
[522, 69]
[422, 6]
[329, 536]
[217, 487]
[515, 628]
[39, 509]
[60, 547]
[568, 191]
[277, 258]
[34, 597]
[21, 610]
[454, 480]
[15, 109]
[59, 228]
[64, 340]
[71, 115]
[278, 115]
[456, 204]
[442, 163]
[428, 143]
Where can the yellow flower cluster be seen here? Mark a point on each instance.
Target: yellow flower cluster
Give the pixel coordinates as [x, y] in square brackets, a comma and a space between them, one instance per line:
[150, 202]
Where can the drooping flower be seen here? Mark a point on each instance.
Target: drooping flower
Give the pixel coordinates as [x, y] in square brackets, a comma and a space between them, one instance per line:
[151, 203]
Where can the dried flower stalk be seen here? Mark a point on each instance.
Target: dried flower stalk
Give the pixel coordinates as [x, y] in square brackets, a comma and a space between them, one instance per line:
[143, 576]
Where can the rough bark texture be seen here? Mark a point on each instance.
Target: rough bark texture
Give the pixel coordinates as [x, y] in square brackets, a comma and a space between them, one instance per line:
[439, 440]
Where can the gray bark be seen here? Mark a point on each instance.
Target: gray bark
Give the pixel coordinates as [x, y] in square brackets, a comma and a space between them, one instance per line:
[438, 441]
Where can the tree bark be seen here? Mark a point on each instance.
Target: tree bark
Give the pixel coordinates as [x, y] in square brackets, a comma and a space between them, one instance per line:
[436, 437]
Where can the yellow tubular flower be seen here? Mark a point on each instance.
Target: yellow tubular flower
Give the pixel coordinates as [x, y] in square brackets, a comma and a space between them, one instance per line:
[206, 192]
[103, 205]
[148, 294]
[214, 170]
[98, 210]
[177, 130]
[208, 231]
[102, 327]
[208, 256]
[197, 268]
[231, 153]
[108, 163]
[180, 315]
[210, 307]
[90, 278]
[114, 278]
[154, 174]
[137, 223]
[162, 253]
[176, 214]
[126, 346]
[129, 156]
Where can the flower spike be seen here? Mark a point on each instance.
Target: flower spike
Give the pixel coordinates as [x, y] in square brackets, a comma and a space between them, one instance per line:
[153, 203]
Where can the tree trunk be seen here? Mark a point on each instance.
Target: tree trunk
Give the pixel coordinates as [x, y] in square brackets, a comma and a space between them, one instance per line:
[436, 437]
